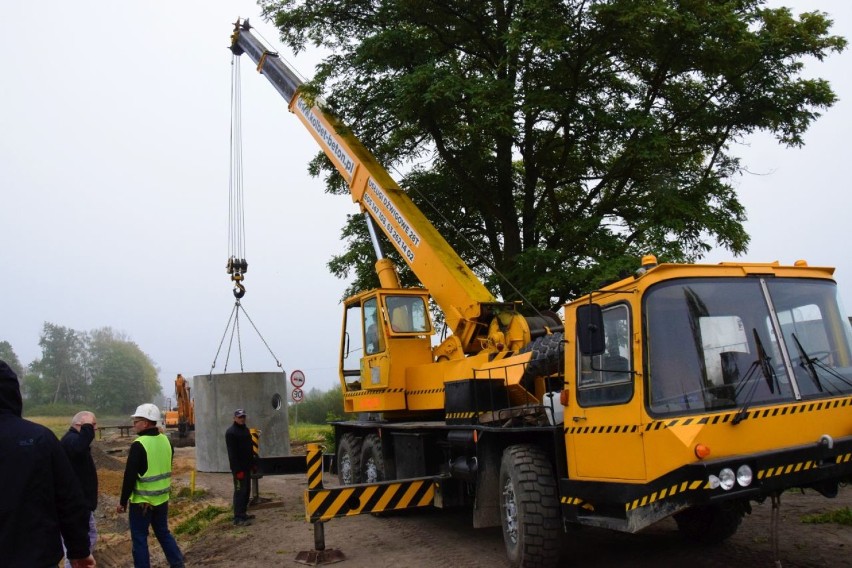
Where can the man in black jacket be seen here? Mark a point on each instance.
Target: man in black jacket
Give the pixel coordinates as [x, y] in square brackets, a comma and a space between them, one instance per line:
[42, 502]
[77, 443]
[241, 460]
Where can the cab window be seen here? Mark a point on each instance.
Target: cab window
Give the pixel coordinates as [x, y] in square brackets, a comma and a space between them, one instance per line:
[606, 378]
[373, 338]
[407, 314]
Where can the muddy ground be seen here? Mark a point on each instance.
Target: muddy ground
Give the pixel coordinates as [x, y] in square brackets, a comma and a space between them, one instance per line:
[431, 538]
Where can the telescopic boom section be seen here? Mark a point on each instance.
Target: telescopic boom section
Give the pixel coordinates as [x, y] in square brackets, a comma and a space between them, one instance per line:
[455, 288]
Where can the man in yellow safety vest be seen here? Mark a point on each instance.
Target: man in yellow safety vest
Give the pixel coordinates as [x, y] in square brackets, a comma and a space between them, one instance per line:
[147, 480]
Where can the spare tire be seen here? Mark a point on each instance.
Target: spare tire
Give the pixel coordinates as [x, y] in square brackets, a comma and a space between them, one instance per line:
[547, 358]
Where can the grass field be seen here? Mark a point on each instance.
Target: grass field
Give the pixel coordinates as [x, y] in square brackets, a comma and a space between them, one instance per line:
[298, 433]
[60, 424]
[310, 432]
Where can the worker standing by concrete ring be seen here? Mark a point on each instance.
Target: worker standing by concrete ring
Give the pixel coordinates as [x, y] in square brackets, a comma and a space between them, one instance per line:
[241, 460]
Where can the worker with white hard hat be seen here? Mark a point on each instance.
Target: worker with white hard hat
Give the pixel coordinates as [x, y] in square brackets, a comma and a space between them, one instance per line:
[147, 481]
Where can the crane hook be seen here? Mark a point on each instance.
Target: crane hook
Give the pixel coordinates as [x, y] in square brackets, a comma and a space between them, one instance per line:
[236, 267]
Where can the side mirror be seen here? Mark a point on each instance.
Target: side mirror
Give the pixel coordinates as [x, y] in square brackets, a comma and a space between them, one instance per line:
[590, 329]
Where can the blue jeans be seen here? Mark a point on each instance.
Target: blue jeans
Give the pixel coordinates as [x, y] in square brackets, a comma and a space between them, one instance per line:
[157, 517]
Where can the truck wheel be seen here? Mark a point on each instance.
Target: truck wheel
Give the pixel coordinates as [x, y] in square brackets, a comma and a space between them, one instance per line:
[547, 352]
[349, 459]
[372, 460]
[710, 524]
[529, 507]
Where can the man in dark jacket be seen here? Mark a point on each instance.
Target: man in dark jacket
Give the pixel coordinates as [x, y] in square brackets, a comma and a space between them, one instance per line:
[241, 460]
[77, 443]
[42, 502]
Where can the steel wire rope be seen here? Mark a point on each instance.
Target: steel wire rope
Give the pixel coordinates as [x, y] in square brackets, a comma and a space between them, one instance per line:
[236, 228]
[235, 332]
[224, 334]
[236, 215]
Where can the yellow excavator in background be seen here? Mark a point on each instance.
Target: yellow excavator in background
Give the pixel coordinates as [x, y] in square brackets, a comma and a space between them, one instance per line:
[182, 416]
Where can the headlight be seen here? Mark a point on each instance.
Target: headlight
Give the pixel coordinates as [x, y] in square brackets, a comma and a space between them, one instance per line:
[727, 478]
[744, 476]
[713, 482]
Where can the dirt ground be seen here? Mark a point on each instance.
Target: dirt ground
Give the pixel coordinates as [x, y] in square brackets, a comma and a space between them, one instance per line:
[430, 538]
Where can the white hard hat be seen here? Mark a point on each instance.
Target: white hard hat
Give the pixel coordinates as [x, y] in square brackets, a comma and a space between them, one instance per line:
[147, 411]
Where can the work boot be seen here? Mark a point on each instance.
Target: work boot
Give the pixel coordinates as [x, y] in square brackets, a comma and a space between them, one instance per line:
[239, 522]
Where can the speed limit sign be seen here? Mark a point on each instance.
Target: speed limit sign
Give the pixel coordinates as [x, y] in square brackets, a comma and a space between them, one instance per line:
[297, 379]
[297, 395]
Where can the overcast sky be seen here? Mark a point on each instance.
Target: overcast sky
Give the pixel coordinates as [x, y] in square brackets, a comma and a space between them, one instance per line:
[114, 156]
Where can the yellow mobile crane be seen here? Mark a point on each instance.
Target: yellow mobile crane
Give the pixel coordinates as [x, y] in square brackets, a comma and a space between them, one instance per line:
[685, 390]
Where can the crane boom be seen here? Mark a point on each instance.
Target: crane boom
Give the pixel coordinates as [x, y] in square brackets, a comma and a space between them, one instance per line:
[465, 301]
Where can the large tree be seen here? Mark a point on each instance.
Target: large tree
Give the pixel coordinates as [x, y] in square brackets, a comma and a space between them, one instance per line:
[62, 370]
[8, 355]
[123, 376]
[101, 369]
[555, 142]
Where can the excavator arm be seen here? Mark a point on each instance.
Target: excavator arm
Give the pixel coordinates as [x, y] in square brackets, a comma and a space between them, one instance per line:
[186, 414]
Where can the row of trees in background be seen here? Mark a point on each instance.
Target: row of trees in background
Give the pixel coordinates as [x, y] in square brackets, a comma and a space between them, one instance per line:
[101, 369]
[318, 407]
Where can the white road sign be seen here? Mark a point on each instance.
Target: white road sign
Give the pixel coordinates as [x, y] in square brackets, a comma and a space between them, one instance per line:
[297, 379]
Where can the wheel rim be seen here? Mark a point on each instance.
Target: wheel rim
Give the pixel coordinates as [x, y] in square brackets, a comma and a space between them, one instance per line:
[510, 512]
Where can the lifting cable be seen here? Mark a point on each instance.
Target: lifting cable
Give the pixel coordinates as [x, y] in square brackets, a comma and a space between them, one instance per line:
[234, 326]
[237, 265]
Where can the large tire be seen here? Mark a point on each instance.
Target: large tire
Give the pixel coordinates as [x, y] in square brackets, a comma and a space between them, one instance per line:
[710, 524]
[547, 358]
[372, 460]
[529, 508]
[349, 459]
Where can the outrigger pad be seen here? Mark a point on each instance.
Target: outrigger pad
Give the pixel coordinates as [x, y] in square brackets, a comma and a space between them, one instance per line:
[318, 557]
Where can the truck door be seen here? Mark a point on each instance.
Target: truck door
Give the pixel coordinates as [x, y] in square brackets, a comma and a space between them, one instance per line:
[364, 361]
[602, 420]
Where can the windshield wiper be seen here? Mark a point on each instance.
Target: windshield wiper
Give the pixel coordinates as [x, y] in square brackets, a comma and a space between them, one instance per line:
[764, 361]
[807, 363]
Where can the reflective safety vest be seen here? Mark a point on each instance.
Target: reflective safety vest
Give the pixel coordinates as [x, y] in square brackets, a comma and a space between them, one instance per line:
[153, 486]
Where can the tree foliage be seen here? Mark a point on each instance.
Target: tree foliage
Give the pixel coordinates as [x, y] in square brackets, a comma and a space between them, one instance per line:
[555, 142]
[318, 406]
[8, 355]
[102, 369]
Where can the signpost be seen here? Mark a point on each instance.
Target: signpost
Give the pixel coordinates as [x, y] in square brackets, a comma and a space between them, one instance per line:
[297, 379]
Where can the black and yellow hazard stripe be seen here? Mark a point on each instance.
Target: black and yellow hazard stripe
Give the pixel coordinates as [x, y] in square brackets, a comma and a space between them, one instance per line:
[666, 493]
[359, 393]
[722, 418]
[420, 392]
[462, 415]
[314, 466]
[325, 504]
[255, 442]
